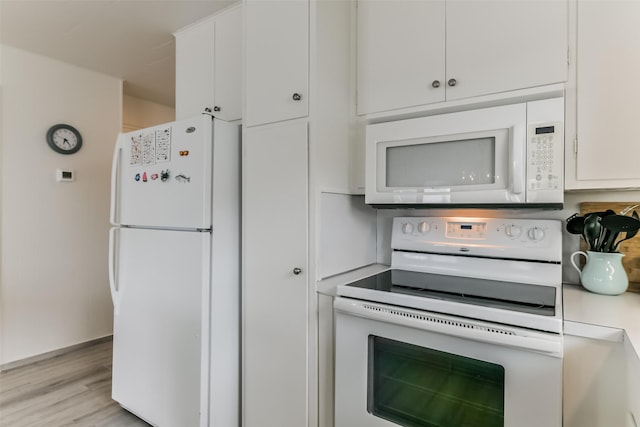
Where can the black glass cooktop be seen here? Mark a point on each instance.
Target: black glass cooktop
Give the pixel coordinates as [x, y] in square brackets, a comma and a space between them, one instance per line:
[534, 299]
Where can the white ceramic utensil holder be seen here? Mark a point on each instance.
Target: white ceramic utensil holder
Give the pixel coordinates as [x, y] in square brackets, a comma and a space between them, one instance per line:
[602, 273]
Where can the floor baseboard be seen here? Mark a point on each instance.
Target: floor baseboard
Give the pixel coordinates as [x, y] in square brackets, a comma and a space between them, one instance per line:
[48, 355]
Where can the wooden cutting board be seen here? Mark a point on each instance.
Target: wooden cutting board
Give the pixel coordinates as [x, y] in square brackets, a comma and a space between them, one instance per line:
[630, 248]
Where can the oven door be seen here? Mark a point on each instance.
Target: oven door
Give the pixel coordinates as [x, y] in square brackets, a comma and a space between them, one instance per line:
[402, 367]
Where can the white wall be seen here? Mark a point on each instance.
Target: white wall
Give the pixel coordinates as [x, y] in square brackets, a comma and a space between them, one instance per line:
[347, 232]
[54, 282]
[139, 113]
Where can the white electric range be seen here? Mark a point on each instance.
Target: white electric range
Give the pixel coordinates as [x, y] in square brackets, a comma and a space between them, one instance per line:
[465, 328]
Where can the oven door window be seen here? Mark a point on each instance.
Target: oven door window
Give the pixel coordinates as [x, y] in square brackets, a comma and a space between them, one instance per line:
[414, 386]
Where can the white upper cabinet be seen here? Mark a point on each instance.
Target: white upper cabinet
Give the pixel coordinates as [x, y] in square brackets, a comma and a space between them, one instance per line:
[496, 46]
[413, 53]
[607, 101]
[209, 67]
[194, 69]
[277, 55]
[227, 75]
[401, 54]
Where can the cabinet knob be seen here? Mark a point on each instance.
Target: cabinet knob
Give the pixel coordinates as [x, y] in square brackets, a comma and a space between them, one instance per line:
[436, 83]
[216, 108]
[296, 97]
[452, 82]
[207, 110]
[297, 271]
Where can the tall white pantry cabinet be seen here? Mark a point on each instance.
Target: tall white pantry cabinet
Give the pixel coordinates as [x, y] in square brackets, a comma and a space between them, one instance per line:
[297, 121]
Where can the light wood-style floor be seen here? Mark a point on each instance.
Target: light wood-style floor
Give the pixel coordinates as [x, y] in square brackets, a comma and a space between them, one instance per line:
[73, 389]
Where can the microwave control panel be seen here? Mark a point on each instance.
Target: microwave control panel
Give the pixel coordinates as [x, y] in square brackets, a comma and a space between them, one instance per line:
[545, 145]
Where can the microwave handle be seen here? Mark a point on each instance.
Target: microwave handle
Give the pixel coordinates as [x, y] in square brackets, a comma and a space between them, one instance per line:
[518, 145]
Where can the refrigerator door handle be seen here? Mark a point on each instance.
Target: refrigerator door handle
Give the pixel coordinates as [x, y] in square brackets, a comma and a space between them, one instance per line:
[115, 169]
[115, 297]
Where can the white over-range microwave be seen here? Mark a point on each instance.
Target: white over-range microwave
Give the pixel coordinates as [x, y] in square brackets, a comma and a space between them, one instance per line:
[505, 156]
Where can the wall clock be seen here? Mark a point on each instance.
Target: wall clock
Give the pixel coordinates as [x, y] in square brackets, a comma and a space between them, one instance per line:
[64, 139]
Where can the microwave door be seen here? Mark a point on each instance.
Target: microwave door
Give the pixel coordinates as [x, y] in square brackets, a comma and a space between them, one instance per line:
[474, 167]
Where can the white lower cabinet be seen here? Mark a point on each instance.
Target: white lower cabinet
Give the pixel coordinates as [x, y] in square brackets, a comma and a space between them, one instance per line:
[595, 383]
[633, 368]
[326, 362]
[275, 277]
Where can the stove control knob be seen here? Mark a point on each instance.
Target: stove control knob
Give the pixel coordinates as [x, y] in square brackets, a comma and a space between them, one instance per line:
[407, 228]
[424, 227]
[536, 234]
[513, 231]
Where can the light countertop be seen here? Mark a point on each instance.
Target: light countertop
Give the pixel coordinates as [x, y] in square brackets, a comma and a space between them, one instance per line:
[602, 316]
[328, 286]
[613, 318]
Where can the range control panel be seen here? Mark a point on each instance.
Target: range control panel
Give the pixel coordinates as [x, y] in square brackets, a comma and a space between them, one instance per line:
[532, 239]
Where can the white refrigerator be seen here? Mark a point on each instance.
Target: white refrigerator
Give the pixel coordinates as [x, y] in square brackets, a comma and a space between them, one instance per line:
[174, 272]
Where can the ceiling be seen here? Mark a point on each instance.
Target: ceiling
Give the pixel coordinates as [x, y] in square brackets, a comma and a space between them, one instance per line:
[128, 39]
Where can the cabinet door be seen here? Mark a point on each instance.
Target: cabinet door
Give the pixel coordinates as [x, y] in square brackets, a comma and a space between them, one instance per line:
[274, 295]
[195, 69]
[276, 60]
[400, 54]
[608, 94]
[633, 383]
[495, 45]
[594, 383]
[228, 65]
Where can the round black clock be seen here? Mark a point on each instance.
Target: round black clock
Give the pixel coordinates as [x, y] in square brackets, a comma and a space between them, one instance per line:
[64, 139]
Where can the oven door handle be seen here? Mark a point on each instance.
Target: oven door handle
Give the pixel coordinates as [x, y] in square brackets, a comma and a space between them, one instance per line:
[524, 339]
